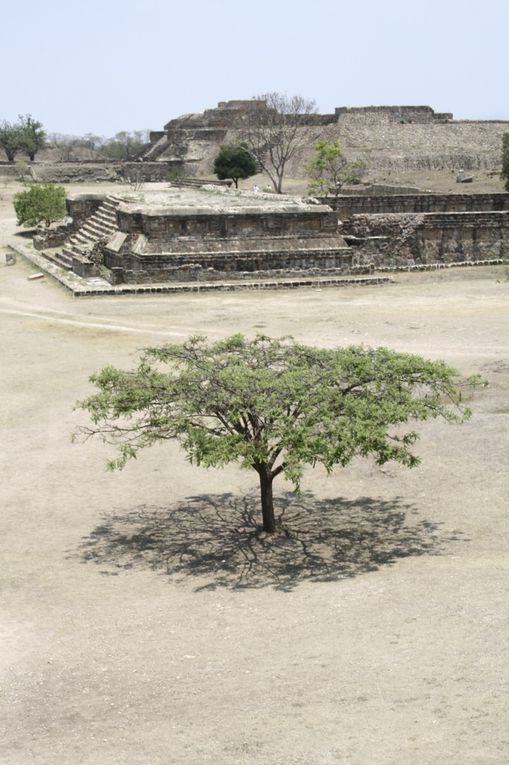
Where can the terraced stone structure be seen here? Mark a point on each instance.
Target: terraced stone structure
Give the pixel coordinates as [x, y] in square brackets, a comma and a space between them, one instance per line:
[205, 234]
[390, 139]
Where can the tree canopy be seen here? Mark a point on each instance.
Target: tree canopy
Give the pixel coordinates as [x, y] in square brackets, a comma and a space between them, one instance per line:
[272, 405]
[38, 203]
[329, 169]
[26, 135]
[272, 135]
[125, 145]
[234, 162]
[33, 137]
[10, 139]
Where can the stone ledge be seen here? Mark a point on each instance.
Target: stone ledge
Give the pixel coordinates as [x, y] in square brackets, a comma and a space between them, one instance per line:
[98, 287]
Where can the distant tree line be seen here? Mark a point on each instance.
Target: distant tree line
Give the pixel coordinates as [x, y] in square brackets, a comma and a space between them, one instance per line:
[27, 136]
[125, 145]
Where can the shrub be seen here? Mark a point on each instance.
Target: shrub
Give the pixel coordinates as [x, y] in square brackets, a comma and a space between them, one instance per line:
[38, 203]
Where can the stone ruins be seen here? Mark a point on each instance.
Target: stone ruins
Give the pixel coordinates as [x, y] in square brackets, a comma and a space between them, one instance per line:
[213, 234]
[390, 138]
[205, 234]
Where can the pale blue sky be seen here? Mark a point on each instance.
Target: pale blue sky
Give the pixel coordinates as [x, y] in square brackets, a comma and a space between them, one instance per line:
[101, 66]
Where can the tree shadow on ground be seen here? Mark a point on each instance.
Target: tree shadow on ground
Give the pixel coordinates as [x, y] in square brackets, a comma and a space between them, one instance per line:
[218, 537]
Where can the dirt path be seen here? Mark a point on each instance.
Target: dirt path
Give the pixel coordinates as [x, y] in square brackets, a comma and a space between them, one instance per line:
[142, 623]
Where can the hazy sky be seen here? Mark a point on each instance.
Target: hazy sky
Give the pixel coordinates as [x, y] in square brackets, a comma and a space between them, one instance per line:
[101, 66]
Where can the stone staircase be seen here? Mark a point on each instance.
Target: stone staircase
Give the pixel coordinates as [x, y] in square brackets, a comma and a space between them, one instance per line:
[102, 224]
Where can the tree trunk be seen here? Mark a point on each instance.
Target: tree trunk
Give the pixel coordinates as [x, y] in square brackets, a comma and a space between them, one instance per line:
[269, 521]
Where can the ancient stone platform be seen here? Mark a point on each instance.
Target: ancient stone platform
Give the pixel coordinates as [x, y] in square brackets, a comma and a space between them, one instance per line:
[204, 234]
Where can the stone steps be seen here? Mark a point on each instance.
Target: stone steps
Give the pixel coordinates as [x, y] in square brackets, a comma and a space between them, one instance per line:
[62, 259]
[97, 230]
[102, 224]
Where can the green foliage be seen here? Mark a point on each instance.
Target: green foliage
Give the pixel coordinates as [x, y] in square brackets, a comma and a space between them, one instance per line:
[272, 405]
[33, 137]
[11, 138]
[126, 146]
[330, 170]
[25, 135]
[505, 160]
[234, 162]
[44, 202]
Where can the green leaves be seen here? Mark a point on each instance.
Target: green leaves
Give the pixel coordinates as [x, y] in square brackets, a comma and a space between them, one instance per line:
[329, 170]
[40, 202]
[234, 162]
[25, 135]
[272, 402]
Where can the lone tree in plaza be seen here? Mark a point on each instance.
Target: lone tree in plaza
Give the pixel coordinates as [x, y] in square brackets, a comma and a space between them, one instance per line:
[329, 170]
[505, 160]
[234, 162]
[272, 405]
[272, 134]
[40, 203]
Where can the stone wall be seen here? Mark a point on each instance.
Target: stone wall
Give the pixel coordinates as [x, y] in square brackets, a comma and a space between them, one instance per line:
[82, 206]
[402, 114]
[172, 229]
[390, 139]
[226, 266]
[215, 233]
[420, 239]
[91, 171]
[8, 170]
[349, 205]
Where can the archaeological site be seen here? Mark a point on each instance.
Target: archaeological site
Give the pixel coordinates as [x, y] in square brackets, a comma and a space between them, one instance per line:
[177, 225]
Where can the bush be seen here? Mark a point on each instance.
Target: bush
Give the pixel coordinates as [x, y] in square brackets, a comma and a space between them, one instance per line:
[38, 203]
[234, 162]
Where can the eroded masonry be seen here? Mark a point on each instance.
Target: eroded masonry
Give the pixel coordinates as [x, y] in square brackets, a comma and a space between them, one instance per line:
[205, 234]
[213, 234]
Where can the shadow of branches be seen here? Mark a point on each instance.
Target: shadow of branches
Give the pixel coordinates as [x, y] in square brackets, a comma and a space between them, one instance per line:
[219, 538]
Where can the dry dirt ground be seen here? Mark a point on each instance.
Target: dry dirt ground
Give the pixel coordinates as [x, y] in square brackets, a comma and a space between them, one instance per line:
[144, 620]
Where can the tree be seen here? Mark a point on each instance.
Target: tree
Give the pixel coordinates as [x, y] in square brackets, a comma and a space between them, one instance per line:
[33, 137]
[273, 405]
[11, 139]
[330, 170]
[505, 160]
[272, 134]
[124, 145]
[74, 147]
[44, 202]
[234, 162]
